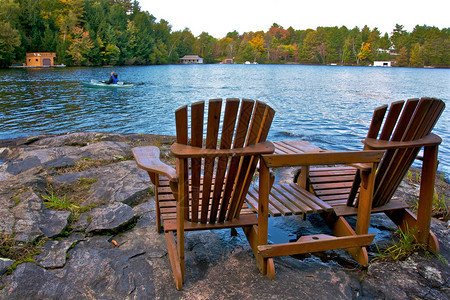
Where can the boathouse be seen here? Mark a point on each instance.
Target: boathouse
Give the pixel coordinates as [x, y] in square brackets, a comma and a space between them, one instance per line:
[382, 63]
[191, 59]
[40, 59]
[227, 61]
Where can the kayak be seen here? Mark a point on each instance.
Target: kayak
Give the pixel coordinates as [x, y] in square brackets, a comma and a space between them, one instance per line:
[99, 84]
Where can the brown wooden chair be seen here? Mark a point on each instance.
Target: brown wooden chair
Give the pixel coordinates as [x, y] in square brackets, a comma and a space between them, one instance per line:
[361, 188]
[405, 131]
[208, 187]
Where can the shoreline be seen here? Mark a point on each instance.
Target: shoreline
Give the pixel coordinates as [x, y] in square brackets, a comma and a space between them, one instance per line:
[8, 148]
[218, 63]
[25, 140]
[114, 201]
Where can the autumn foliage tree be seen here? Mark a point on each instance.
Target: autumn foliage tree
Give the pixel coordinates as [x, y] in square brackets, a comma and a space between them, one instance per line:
[365, 51]
[257, 42]
[417, 57]
[80, 46]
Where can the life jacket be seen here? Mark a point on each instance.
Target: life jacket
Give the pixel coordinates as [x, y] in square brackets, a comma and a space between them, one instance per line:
[115, 78]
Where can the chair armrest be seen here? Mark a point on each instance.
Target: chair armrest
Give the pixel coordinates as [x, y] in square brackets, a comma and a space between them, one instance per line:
[147, 158]
[186, 151]
[429, 140]
[323, 158]
[361, 166]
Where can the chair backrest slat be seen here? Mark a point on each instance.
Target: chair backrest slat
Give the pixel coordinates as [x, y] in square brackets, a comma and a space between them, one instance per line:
[229, 122]
[197, 113]
[374, 129]
[181, 123]
[391, 120]
[212, 133]
[377, 120]
[270, 114]
[181, 119]
[256, 123]
[436, 110]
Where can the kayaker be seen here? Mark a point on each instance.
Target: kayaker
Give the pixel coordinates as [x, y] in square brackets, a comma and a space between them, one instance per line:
[113, 79]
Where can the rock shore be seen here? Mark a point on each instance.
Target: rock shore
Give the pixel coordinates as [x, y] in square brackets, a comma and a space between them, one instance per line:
[105, 244]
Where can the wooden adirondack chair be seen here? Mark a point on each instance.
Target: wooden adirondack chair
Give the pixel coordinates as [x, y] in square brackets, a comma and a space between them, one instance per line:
[405, 131]
[208, 188]
[331, 191]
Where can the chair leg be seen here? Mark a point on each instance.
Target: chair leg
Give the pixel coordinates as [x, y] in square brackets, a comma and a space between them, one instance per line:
[270, 268]
[340, 228]
[251, 232]
[425, 208]
[406, 220]
[174, 260]
[158, 214]
[155, 179]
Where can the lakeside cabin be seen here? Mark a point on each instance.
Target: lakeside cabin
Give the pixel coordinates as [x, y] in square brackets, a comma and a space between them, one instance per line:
[191, 59]
[40, 59]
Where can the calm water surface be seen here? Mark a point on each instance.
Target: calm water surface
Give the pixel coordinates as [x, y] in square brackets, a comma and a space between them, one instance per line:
[329, 106]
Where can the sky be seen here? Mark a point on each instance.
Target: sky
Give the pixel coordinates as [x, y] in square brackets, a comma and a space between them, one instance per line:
[220, 17]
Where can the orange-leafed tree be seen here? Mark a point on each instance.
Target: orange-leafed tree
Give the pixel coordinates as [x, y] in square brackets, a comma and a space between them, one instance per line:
[365, 51]
[257, 43]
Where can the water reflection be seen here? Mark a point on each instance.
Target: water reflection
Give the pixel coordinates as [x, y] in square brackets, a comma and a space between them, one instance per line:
[327, 105]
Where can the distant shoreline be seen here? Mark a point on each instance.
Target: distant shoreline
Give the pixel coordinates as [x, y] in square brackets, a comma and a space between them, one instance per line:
[268, 64]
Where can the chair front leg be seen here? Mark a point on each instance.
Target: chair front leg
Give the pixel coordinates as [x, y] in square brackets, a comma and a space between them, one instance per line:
[426, 194]
[263, 213]
[182, 199]
[303, 177]
[155, 179]
[365, 200]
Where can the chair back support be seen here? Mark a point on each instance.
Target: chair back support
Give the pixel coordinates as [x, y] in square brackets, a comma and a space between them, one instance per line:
[404, 122]
[218, 185]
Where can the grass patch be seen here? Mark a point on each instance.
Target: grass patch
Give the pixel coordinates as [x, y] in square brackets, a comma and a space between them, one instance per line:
[403, 248]
[54, 201]
[440, 208]
[15, 197]
[409, 175]
[59, 200]
[119, 158]
[20, 252]
[87, 163]
[151, 191]
[83, 165]
[87, 181]
[400, 249]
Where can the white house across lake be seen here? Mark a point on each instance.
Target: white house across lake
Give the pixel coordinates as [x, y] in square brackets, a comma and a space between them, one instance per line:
[191, 59]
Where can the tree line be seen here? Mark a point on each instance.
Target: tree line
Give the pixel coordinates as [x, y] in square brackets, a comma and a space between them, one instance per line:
[118, 32]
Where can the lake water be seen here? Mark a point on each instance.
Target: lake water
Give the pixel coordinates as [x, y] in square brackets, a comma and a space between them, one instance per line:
[330, 106]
